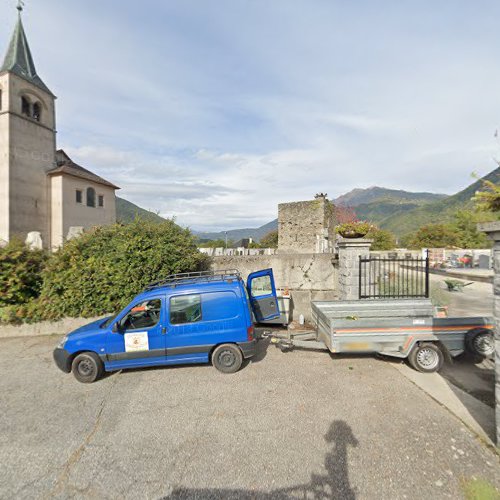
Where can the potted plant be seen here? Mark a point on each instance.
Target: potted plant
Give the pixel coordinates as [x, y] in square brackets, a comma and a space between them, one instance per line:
[356, 229]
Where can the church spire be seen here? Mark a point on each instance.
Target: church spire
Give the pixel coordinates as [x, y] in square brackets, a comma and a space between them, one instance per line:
[18, 59]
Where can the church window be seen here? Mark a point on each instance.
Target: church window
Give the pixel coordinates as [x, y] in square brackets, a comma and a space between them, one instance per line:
[25, 106]
[90, 197]
[78, 196]
[101, 200]
[37, 111]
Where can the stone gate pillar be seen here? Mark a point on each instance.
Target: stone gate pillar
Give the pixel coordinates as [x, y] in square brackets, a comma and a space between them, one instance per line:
[492, 229]
[350, 250]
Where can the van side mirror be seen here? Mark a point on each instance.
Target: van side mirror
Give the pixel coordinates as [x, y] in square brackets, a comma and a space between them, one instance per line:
[115, 328]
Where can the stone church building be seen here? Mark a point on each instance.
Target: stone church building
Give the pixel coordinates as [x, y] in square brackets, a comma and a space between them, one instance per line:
[41, 189]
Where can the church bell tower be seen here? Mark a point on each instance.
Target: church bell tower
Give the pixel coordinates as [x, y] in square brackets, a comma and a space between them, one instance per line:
[27, 142]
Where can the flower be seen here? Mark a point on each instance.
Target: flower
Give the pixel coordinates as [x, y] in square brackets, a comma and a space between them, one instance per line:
[356, 229]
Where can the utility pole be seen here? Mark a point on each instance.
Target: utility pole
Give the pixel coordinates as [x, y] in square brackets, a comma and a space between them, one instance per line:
[226, 238]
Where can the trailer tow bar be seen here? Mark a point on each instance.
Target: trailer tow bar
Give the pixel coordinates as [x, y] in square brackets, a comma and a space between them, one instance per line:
[303, 340]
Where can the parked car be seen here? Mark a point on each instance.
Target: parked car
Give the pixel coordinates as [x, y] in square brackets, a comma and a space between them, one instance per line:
[186, 318]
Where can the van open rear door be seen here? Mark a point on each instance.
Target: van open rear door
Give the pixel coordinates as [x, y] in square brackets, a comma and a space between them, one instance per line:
[262, 292]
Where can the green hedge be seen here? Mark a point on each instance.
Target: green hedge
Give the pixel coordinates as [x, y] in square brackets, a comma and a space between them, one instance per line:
[20, 273]
[101, 271]
[97, 273]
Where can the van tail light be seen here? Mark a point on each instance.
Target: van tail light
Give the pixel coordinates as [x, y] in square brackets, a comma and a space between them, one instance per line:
[250, 333]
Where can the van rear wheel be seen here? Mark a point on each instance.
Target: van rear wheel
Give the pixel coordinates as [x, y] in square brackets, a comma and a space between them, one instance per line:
[227, 358]
[87, 367]
[426, 358]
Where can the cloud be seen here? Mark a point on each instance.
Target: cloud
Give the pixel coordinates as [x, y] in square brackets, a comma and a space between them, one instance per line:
[215, 112]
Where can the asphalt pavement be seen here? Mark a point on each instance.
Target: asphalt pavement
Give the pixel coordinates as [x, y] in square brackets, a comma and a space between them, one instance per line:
[300, 424]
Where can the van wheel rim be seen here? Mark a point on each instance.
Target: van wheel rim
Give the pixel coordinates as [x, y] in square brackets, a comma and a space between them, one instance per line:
[85, 367]
[427, 358]
[227, 358]
[483, 344]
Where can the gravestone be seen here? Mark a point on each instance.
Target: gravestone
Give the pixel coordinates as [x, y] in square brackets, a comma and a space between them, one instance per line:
[34, 240]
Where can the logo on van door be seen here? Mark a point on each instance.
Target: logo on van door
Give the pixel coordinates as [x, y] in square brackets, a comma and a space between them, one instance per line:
[136, 341]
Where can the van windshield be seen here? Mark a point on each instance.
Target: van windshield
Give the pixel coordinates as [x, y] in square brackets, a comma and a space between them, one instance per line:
[108, 322]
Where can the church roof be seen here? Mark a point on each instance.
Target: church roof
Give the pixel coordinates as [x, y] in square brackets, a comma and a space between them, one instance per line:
[65, 165]
[19, 60]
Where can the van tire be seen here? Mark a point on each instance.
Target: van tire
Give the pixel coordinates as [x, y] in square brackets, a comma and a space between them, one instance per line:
[87, 367]
[426, 358]
[227, 358]
[480, 343]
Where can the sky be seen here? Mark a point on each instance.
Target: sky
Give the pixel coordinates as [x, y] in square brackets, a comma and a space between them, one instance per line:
[213, 112]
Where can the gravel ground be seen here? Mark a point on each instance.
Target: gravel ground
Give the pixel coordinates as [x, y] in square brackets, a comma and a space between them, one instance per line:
[289, 425]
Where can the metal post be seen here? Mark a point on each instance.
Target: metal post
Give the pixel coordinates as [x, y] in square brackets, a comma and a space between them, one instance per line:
[360, 295]
[427, 275]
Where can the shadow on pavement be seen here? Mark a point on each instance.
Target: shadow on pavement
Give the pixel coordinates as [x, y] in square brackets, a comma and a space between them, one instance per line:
[262, 347]
[472, 381]
[334, 484]
[474, 376]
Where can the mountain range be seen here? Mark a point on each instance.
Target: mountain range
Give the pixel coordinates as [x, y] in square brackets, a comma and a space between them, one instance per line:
[396, 210]
[127, 211]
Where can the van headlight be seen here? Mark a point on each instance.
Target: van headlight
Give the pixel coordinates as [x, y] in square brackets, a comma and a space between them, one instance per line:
[61, 343]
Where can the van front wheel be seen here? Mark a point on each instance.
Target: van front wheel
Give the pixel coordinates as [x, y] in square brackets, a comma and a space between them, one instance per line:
[87, 367]
[227, 358]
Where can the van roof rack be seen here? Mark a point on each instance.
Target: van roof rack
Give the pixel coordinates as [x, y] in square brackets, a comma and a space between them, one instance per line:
[182, 278]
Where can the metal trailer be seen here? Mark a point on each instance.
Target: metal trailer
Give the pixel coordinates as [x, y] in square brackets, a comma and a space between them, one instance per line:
[398, 328]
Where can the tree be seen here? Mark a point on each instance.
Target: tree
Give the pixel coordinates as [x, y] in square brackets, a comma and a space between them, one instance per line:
[489, 199]
[382, 239]
[220, 243]
[433, 236]
[344, 214]
[270, 240]
[465, 225]
[101, 271]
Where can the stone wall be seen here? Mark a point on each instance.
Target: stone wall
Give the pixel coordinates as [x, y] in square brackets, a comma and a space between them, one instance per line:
[61, 327]
[350, 250]
[306, 226]
[307, 276]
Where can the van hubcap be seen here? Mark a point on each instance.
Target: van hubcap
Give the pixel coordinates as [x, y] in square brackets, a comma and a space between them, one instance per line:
[85, 367]
[427, 358]
[227, 358]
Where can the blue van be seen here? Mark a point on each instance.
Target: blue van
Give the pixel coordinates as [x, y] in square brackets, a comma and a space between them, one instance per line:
[185, 318]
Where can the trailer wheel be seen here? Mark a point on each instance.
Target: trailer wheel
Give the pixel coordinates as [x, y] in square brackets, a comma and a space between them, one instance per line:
[426, 358]
[87, 367]
[480, 342]
[227, 358]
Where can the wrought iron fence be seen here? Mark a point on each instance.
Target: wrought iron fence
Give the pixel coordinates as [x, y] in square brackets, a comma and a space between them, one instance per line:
[381, 278]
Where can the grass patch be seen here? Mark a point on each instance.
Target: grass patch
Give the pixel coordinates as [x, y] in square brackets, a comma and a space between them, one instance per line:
[479, 489]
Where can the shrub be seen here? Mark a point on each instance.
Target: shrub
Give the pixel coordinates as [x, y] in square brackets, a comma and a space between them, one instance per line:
[20, 274]
[382, 239]
[270, 240]
[433, 236]
[100, 271]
